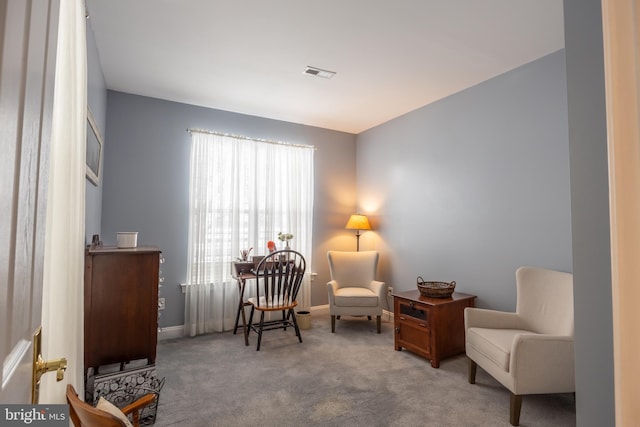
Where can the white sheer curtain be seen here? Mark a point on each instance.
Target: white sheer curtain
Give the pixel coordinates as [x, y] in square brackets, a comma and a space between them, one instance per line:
[242, 193]
[63, 287]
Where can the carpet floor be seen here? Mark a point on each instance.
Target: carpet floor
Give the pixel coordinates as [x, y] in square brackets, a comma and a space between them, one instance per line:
[351, 378]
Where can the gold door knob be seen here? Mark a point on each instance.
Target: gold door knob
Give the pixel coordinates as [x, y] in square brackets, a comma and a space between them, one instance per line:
[58, 365]
[41, 367]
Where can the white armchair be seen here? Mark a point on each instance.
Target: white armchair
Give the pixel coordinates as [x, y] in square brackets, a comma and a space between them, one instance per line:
[529, 351]
[353, 290]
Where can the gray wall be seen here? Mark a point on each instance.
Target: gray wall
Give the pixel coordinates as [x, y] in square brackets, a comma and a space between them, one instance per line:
[471, 187]
[97, 103]
[411, 212]
[146, 182]
[590, 213]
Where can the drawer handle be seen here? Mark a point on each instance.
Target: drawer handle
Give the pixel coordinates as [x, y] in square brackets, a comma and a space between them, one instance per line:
[424, 325]
[397, 329]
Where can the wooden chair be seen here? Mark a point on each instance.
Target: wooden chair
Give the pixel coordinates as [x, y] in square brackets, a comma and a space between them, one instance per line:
[84, 415]
[278, 280]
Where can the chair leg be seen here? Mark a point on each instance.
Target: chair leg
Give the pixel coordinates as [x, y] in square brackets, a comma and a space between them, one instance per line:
[250, 324]
[260, 330]
[245, 327]
[379, 323]
[235, 326]
[253, 309]
[292, 314]
[472, 371]
[295, 325]
[333, 324]
[514, 409]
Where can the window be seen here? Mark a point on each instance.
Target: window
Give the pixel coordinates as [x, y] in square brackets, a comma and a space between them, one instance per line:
[242, 193]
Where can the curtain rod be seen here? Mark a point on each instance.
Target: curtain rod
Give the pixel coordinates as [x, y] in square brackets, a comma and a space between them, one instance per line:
[230, 135]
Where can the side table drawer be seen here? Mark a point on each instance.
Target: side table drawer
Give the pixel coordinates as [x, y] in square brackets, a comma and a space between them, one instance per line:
[415, 312]
[414, 337]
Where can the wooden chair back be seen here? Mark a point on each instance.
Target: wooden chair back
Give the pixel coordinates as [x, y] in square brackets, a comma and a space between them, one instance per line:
[84, 415]
[278, 280]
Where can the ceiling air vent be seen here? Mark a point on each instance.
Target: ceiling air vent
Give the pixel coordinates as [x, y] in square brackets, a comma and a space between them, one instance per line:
[313, 71]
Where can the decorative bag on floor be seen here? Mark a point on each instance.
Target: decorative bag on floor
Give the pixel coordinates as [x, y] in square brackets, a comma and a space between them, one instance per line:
[123, 387]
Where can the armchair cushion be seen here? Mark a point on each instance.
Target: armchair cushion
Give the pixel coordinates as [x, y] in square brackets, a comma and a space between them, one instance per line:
[356, 297]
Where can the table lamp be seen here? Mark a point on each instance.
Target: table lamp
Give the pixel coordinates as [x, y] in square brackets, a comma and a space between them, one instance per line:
[358, 222]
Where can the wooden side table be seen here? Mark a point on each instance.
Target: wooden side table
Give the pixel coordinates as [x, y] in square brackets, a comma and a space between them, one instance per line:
[430, 327]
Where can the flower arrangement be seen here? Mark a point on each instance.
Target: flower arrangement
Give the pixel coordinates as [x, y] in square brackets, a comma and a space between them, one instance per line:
[244, 254]
[271, 246]
[285, 237]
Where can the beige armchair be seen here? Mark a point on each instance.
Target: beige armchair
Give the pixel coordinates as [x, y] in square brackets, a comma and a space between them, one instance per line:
[353, 290]
[529, 351]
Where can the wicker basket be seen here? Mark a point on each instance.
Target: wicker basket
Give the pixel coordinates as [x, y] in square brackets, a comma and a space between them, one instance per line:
[435, 289]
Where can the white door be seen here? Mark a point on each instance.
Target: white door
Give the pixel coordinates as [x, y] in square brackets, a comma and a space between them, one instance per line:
[28, 36]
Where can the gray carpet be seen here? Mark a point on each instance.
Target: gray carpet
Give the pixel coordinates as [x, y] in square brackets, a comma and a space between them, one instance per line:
[351, 378]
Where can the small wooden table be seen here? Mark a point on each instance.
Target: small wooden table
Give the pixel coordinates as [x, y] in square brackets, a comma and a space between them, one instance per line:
[242, 283]
[430, 327]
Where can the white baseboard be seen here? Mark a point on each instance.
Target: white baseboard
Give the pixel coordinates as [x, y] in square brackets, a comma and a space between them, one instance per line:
[320, 308]
[325, 308]
[172, 332]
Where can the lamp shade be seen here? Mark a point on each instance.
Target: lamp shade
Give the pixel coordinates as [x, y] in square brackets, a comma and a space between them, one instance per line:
[358, 222]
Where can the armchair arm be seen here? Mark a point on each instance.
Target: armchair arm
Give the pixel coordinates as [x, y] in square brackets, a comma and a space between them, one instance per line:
[332, 287]
[379, 288]
[542, 364]
[483, 318]
[135, 407]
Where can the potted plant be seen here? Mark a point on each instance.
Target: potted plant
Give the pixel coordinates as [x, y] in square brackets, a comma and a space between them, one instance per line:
[285, 237]
[242, 264]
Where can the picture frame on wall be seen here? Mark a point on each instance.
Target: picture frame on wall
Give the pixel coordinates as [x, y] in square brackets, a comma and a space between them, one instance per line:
[94, 149]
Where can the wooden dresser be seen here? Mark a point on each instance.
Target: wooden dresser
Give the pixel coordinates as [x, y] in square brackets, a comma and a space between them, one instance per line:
[120, 305]
[430, 327]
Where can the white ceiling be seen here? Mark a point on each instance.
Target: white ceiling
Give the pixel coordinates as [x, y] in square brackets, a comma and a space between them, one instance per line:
[248, 56]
